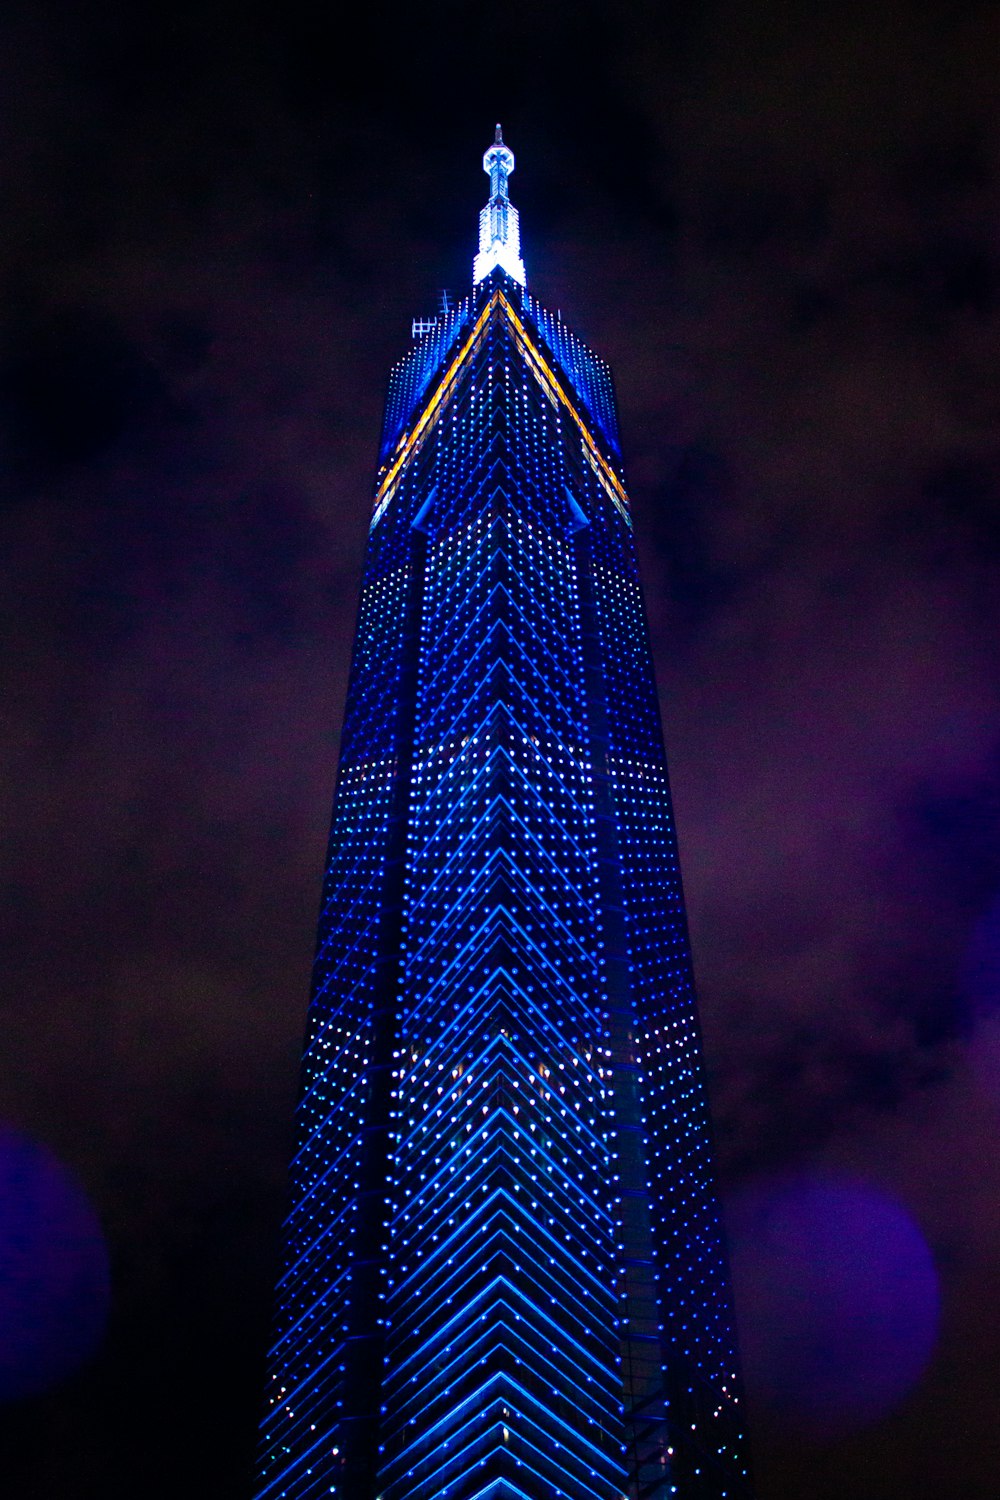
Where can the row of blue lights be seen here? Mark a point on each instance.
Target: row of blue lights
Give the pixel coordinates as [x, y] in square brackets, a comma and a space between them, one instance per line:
[509, 1302]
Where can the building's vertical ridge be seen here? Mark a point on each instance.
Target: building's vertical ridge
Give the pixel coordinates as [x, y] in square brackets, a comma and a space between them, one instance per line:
[504, 1271]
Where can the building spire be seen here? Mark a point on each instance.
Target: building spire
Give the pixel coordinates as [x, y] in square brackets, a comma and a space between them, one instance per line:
[499, 231]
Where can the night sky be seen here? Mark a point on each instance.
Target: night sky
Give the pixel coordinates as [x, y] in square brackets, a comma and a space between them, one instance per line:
[781, 224]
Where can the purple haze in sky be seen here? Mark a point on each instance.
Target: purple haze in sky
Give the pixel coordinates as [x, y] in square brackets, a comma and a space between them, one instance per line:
[839, 1300]
[982, 993]
[54, 1280]
[982, 967]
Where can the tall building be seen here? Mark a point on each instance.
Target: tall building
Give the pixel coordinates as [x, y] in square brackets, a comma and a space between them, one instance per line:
[504, 1274]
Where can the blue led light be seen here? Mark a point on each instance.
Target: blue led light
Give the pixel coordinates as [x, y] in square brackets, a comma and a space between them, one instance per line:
[504, 1273]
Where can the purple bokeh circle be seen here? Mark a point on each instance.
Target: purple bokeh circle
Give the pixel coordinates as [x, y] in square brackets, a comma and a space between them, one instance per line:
[838, 1300]
[54, 1276]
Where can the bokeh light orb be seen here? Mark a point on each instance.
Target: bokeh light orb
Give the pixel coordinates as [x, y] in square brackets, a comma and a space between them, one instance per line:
[54, 1276]
[838, 1301]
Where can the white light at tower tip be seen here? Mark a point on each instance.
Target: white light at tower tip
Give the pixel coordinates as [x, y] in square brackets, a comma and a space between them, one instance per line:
[499, 229]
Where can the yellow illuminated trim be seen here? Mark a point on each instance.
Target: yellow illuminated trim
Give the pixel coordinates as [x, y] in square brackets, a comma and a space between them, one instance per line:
[411, 441]
[550, 383]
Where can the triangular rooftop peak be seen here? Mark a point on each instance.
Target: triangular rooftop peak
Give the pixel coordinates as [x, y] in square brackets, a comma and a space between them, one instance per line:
[499, 229]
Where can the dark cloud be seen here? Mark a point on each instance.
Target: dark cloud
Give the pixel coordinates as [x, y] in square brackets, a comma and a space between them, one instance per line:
[71, 388]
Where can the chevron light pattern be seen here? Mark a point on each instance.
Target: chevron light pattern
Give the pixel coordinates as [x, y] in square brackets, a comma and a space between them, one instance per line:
[504, 1276]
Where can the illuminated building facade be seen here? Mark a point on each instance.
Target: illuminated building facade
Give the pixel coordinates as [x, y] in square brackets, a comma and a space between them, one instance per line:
[504, 1275]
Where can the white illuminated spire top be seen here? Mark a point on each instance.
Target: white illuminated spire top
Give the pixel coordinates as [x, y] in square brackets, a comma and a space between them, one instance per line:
[499, 231]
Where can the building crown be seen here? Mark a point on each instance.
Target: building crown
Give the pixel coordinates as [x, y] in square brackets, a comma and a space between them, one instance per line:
[499, 230]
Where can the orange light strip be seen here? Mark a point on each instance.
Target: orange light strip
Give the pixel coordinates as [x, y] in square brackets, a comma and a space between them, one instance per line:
[547, 379]
[550, 382]
[411, 440]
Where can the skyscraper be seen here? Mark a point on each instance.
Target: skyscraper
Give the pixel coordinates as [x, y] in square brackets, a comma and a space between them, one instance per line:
[503, 1274]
